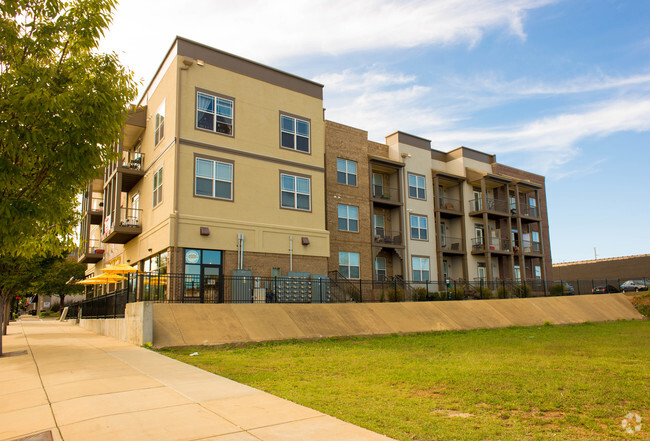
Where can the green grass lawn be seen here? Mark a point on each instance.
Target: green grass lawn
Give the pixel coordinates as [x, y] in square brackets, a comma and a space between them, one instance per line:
[550, 382]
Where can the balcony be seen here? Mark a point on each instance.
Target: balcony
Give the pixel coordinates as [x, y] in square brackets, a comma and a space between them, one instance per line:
[492, 245]
[499, 245]
[530, 211]
[386, 195]
[530, 247]
[452, 245]
[387, 238]
[132, 167]
[96, 211]
[126, 225]
[495, 207]
[450, 207]
[91, 251]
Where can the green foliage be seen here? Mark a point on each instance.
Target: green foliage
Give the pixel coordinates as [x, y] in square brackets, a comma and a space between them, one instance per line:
[557, 290]
[502, 292]
[521, 291]
[457, 292]
[571, 383]
[51, 313]
[395, 295]
[62, 107]
[484, 292]
[420, 294]
[642, 304]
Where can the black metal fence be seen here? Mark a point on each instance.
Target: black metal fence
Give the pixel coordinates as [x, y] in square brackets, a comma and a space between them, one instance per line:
[334, 288]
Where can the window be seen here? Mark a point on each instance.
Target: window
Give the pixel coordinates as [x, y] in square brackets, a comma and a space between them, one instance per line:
[443, 234]
[538, 272]
[420, 268]
[481, 272]
[378, 220]
[159, 132]
[213, 179]
[416, 187]
[377, 185]
[380, 268]
[157, 187]
[214, 113]
[419, 227]
[294, 133]
[348, 218]
[295, 192]
[349, 265]
[346, 172]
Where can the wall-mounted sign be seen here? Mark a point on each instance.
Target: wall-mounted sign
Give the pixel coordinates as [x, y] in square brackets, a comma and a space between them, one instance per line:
[192, 256]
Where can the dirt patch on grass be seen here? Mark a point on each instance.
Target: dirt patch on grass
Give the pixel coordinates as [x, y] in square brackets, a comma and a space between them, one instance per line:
[429, 393]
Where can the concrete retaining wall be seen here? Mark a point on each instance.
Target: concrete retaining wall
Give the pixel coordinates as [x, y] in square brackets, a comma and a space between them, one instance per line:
[135, 328]
[200, 324]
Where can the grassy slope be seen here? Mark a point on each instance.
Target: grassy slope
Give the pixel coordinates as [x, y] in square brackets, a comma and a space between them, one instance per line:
[551, 382]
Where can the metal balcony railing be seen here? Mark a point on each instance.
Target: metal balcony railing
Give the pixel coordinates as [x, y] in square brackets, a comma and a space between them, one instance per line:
[448, 243]
[96, 204]
[495, 205]
[132, 160]
[531, 247]
[449, 204]
[499, 244]
[382, 236]
[130, 217]
[387, 194]
[94, 246]
[529, 210]
[478, 244]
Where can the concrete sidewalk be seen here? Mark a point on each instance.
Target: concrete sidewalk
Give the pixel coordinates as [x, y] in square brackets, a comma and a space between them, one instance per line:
[60, 382]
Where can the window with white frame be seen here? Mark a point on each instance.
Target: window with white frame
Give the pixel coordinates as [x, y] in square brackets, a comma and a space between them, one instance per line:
[159, 130]
[214, 113]
[295, 192]
[420, 268]
[213, 179]
[157, 187]
[346, 172]
[348, 218]
[416, 187]
[380, 268]
[349, 264]
[419, 230]
[294, 133]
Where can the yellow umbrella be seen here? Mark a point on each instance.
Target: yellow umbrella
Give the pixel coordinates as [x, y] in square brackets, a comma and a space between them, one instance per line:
[102, 279]
[121, 268]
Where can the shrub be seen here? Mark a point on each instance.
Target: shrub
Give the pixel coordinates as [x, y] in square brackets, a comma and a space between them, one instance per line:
[55, 308]
[353, 293]
[420, 294]
[642, 304]
[502, 292]
[395, 295]
[484, 292]
[436, 296]
[521, 291]
[458, 292]
[557, 290]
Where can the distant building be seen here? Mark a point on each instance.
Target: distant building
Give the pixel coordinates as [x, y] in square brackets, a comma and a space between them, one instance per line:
[624, 268]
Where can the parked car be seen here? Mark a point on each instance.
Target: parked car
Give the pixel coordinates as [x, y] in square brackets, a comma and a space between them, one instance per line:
[567, 288]
[634, 285]
[605, 289]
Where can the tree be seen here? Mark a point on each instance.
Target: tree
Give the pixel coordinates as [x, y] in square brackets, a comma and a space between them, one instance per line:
[62, 107]
[55, 277]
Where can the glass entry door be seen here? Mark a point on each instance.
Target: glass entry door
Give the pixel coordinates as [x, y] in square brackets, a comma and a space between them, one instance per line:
[210, 281]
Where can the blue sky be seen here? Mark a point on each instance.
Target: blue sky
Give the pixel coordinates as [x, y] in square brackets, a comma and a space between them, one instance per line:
[559, 88]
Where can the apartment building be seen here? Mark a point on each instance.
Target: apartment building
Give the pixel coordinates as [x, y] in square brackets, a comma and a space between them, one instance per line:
[432, 215]
[221, 168]
[227, 167]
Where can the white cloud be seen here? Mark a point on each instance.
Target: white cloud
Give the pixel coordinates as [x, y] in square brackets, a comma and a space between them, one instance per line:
[270, 31]
[554, 141]
[489, 84]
